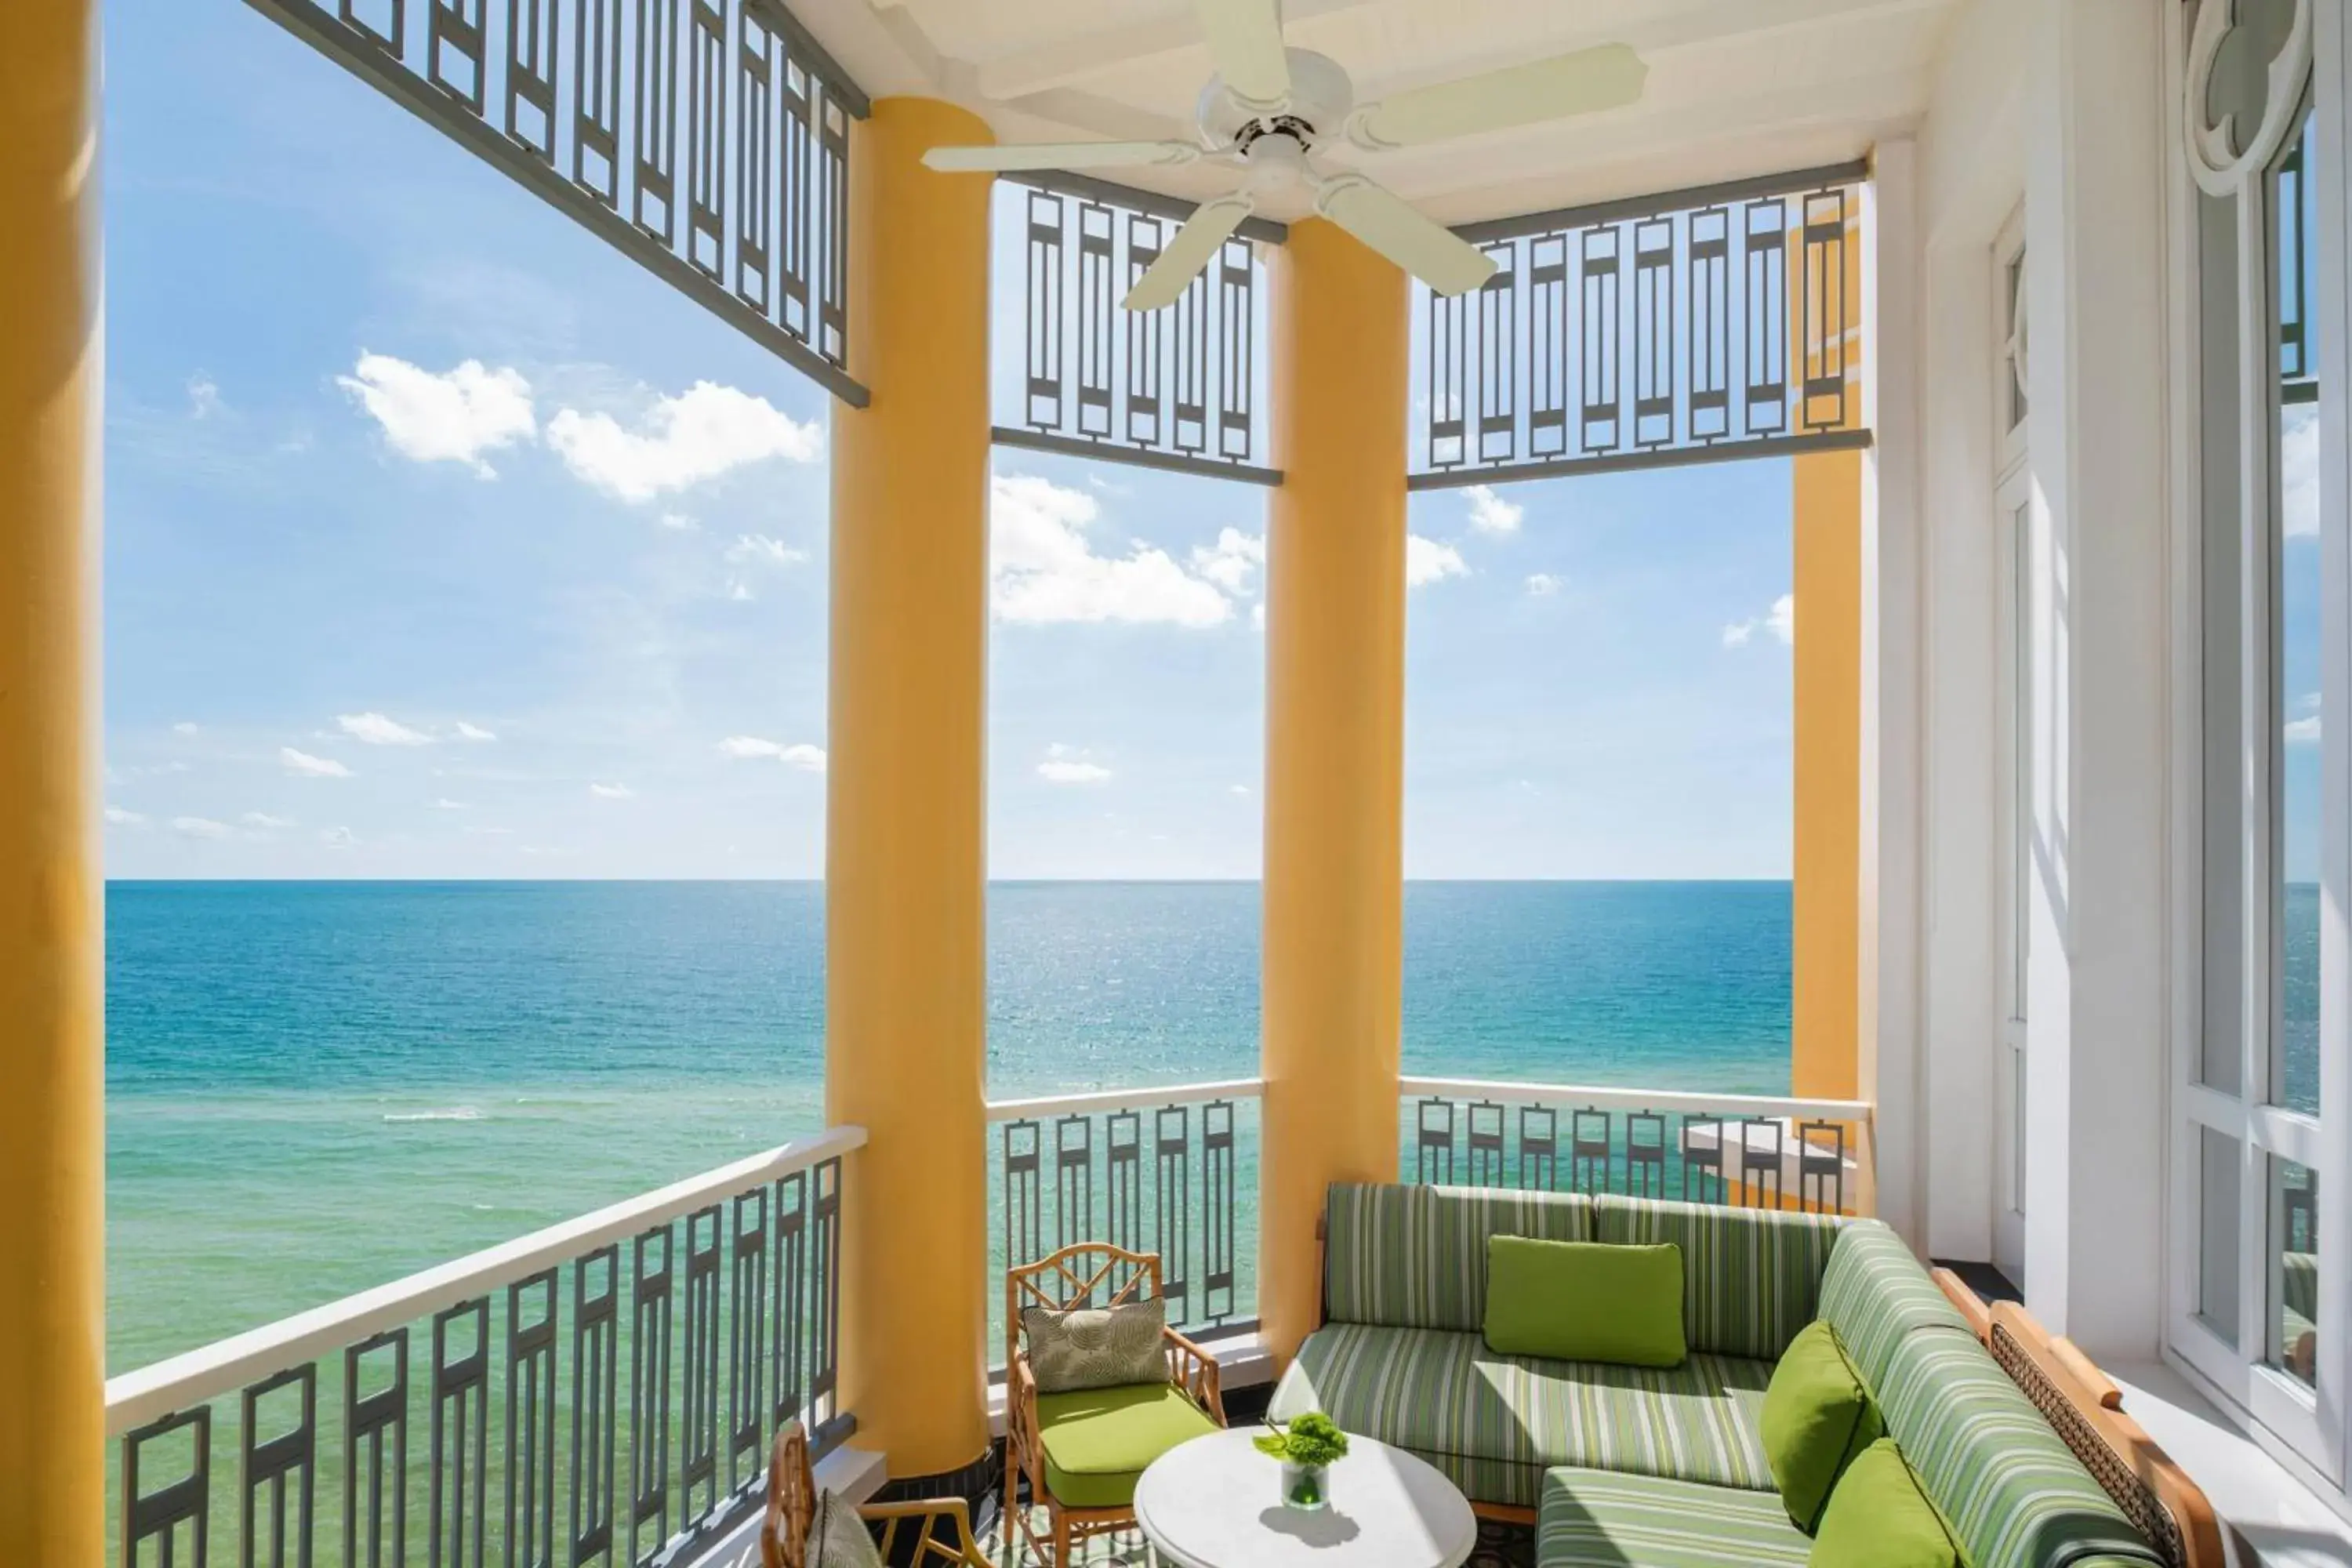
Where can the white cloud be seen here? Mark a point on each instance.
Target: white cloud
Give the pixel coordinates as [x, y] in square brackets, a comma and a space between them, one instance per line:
[473, 733]
[183, 728]
[199, 827]
[1490, 513]
[1257, 615]
[446, 804]
[121, 818]
[1046, 572]
[264, 821]
[1780, 621]
[1428, 561]
[798, 754]
[337, 837]
[612, 792]
[2305, 731]
[759, 549]
[678, 523]
[376, 729]
[703, 432]
[1070, 765]
[203, 396]
[1231, 562]
[454, 416]
[739, 591]
[310, 767]
[1238, 789]
[2299, 471]
[1543, 585]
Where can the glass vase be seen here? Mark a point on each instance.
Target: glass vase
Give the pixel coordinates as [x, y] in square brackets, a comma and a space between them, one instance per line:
[1307, 1488]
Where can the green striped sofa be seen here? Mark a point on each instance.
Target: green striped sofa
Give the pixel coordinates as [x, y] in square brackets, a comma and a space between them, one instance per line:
[1630, 1467]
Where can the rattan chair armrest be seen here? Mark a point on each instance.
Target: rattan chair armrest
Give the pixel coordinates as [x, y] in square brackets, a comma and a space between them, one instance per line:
[1198, 1372]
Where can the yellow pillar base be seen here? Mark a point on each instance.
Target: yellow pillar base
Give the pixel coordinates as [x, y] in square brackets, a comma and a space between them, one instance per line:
[906, 892]
[52, 1061]
[1335, 753]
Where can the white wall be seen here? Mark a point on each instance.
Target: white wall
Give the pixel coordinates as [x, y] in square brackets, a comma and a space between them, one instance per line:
[2096, 1000]
[1971, 176]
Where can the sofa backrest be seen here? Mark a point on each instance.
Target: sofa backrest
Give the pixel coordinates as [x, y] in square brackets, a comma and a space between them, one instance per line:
[1875, 1292]
[1415, 1256]
[1751, 1277]
[2015, 1494]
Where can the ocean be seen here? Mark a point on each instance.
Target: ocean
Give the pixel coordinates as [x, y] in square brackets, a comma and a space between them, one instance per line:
[315, 1088]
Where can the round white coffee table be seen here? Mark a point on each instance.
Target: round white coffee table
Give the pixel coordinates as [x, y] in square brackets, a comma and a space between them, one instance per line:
[1216, 1502]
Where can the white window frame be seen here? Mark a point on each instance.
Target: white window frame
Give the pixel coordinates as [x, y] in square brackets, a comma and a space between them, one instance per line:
[2013, 500]
[2312, 1429]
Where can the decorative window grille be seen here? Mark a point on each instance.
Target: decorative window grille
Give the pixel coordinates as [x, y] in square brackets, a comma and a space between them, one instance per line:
[707, 139]
[1179, 388]
[1682, 327]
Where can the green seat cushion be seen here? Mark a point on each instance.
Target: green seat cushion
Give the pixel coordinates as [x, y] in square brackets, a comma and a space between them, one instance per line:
[1099, 1440]
[1818, 1416]
[1880, 1517]
[1415, 1256]
[1582, 1300]
[1751, 1277]
[1874, 1292]
[1492, 1424]
[2013, 1492]
[1599, 1519]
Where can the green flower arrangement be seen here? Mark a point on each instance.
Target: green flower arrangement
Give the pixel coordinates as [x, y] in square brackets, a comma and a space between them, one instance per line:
[1306, 1447]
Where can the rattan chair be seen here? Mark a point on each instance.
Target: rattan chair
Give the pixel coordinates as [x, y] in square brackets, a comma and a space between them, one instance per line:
[1090, 1274]
[792, 1501]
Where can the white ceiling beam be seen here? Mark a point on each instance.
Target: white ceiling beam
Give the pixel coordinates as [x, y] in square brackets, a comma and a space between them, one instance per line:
[1666, 25]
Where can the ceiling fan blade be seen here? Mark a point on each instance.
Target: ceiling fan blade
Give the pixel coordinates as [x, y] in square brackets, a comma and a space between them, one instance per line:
[1397, 230]
[1020, 156]
[1195, 245]
[1585, 82]
[1246, 43]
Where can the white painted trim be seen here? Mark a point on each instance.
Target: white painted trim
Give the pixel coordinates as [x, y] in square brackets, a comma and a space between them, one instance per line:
[200, 1376]
[1099, 1100]
[1589, 1097]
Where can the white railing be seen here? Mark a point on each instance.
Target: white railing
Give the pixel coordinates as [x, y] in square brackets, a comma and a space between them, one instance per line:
[725, 1317]
[1775, 1150]
[1171, 1170]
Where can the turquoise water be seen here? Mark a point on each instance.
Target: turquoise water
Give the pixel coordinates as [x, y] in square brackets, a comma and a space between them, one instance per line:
[313, 1087]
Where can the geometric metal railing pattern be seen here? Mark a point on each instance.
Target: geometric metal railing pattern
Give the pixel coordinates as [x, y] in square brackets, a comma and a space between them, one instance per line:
[1669, 330]
[1758, 1162]
[1162, 1177]
[2298, 372]
[1173, 388]
[706, 139]
[610, 1407]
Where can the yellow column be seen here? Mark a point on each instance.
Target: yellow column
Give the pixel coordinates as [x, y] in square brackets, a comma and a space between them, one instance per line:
[1334, 751]
[52, 1132]
[1826, 935]
[905, 804]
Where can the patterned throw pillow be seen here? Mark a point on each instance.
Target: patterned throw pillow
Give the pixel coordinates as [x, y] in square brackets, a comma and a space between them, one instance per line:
[837, 1538]
[1103, 1347]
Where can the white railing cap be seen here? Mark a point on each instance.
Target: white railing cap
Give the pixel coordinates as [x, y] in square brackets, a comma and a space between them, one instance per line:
[183, 1381]
[1581, 1096]
[1102, 1100]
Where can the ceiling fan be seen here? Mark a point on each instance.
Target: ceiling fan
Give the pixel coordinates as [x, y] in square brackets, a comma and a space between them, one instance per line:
[1270, 109]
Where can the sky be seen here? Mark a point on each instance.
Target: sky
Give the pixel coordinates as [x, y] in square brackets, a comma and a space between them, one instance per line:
[443, 541]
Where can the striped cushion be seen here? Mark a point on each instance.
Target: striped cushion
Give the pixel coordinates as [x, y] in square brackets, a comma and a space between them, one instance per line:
[1415, 1256]
[2015, 1494]
[1506, 1419]
[1596, 1519]
[1751, 1277]
[1875, 1292]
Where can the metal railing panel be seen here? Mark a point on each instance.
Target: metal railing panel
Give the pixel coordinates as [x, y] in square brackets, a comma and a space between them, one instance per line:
[1152, 1170]
[296, 1443]
[708, 140]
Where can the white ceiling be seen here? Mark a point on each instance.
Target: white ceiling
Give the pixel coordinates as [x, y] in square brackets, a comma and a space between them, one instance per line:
[1736, 88]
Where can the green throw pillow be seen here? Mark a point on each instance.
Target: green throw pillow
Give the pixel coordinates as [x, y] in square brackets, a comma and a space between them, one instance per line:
[1585, 1300]
[1817, 1415]
[1879, 1517]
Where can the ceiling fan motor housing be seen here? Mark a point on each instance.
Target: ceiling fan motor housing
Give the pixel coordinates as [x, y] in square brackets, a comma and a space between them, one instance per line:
[1321, 96]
